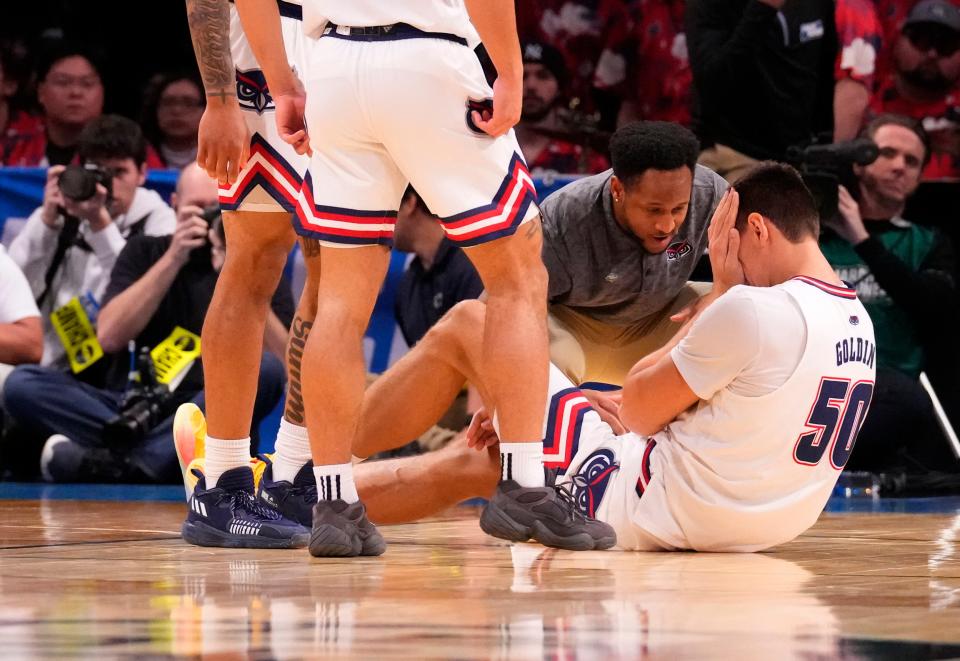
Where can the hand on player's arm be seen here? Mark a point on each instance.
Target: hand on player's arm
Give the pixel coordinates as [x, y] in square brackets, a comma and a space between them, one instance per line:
[607, 406]
[261, 24]
[496, 23]
[223, 143]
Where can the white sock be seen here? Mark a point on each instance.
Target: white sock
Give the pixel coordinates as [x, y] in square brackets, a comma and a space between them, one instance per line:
[336, 482]
[224, 454]
[292, 451]
[522, 462]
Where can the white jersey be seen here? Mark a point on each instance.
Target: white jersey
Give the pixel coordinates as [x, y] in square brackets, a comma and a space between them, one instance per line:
[743, 471]
[445, 16]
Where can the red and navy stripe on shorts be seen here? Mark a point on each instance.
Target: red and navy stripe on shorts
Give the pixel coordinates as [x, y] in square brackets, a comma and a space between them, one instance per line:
[644, 480]
[564, 423]
[499, 218]
[269, 170]
[342, 225]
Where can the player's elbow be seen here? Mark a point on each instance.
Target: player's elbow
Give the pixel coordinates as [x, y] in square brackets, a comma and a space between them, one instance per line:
[639, 421]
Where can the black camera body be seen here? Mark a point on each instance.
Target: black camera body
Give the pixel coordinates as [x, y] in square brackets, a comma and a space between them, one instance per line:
[79, 182]
[825, 166]
[144, 406]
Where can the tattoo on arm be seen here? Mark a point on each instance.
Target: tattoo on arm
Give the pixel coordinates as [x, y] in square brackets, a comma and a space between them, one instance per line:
[209, 22]
[295, 410]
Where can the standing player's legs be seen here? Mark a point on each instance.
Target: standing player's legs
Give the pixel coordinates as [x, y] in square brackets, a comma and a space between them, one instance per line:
[257, 249]
[480, 188]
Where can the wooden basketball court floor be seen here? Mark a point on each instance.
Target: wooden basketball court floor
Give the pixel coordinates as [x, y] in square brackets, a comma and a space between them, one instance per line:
[89, 578]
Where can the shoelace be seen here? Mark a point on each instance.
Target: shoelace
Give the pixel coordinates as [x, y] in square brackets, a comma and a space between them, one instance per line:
[569, 500]
[241, 500]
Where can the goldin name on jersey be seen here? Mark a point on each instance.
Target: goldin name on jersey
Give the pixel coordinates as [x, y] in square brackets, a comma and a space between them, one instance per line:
[856, 350]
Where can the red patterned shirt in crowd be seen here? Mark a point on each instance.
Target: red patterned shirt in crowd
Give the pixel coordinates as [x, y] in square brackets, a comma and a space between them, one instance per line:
[659, 79]
[861, 37]
[940, 118]
[28, 149]
[562, 157]
[21, 123]
[584, 31]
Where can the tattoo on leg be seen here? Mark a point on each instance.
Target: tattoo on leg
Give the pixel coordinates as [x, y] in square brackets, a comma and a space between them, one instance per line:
[310, 247]
[295, 411]
[534, 227]
[223, 95]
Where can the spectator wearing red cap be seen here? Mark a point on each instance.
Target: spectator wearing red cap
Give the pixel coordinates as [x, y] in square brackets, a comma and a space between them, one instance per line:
[925, 82]
[544, 79]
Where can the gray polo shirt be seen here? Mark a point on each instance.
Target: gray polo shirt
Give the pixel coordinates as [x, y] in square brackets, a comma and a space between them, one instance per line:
[601, 270]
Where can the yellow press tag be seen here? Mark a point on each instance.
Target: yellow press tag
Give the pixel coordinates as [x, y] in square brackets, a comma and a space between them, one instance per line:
[77, 335]
[174, 356]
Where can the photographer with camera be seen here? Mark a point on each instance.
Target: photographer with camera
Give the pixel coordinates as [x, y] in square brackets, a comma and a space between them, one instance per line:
[69, 245]
[157, 299]
[903, 273]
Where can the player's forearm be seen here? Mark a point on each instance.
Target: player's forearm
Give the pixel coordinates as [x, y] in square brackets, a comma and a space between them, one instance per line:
[261, 25]
[496, 22]
[21, 341]
[125, 317]
[209, 22]
[652, 359]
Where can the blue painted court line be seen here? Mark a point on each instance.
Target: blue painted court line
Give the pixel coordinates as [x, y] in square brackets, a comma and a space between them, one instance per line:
[118, 492]
[174, 493]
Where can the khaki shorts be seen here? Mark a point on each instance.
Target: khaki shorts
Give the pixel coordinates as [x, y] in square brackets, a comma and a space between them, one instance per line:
[591, 352]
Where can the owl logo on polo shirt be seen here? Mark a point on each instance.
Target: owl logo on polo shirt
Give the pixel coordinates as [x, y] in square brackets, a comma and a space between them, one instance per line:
[677, 250]
[252, 92]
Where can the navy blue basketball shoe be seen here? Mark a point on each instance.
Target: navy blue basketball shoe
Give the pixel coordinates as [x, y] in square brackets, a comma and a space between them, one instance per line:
[230, 515]
[294, 500]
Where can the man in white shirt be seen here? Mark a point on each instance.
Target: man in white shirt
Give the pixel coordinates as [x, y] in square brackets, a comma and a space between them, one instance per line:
[21, 334]
[68, 247]
[740, 426]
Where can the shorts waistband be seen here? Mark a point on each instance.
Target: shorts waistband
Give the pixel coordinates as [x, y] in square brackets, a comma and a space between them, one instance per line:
[394, 32]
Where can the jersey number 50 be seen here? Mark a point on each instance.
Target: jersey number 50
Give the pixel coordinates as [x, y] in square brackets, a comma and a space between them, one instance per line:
[835, 420]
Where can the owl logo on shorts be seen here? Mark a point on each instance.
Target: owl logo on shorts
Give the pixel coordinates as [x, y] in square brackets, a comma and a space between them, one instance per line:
[252, 92]
[590, 482]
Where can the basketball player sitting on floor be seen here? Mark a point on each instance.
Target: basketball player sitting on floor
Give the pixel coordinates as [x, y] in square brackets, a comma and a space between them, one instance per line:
[739, 426]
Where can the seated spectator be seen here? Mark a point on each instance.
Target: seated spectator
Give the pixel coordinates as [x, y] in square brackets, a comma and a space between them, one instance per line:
[585, 32]
[925, 82]
[438, 277]
[14, 121]
[173, 105]
[544, 78]
[763, 72]
[903, 274]
[159, 285]
[21, 333]
[70, 91]
[860, 43]
[68, 247]
[658, 77]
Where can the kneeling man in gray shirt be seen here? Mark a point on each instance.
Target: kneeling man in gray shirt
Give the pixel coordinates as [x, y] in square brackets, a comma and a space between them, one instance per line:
[620, 247]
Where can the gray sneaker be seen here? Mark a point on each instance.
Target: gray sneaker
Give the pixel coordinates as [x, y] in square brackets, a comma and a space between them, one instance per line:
[342, 530]
[548, 515]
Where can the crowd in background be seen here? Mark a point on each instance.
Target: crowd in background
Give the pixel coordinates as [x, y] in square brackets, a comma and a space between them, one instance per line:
[754, 79]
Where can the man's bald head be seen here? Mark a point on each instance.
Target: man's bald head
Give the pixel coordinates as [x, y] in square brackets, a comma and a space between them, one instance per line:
[195, 188]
